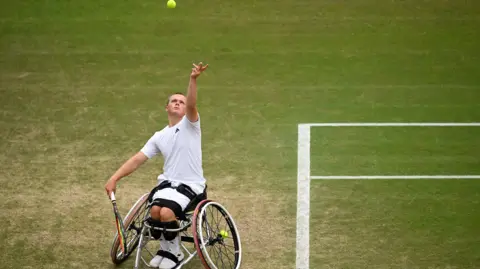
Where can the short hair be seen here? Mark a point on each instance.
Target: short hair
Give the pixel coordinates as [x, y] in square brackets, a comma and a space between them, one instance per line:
[168, 99]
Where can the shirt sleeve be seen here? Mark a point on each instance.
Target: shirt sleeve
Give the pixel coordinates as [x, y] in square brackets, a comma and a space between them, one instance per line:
[150, 148]
[193, 125]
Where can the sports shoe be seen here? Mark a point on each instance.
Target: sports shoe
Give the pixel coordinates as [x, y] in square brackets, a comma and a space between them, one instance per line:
[172, 254]
[155, 262]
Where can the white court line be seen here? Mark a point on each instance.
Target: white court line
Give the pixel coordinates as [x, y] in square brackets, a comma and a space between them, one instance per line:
[401, 177]
[303, 198]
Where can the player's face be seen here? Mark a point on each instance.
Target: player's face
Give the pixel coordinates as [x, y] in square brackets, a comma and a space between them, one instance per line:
[176, 105]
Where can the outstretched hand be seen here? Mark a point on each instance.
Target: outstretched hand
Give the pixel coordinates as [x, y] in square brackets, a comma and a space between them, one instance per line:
[198, 69]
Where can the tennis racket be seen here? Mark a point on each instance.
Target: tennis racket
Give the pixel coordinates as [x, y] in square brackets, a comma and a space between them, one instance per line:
[119, 224]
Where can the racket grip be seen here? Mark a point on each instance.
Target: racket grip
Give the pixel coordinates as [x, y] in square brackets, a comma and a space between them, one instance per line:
[112, 196]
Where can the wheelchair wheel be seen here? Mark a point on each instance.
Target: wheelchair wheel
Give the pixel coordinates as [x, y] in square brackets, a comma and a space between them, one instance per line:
[216, 237]
[133, 222]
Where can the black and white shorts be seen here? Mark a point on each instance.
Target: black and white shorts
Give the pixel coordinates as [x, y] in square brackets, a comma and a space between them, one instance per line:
[172, 198]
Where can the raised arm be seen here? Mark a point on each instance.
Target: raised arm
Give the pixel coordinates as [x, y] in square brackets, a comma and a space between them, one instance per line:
[192, 111]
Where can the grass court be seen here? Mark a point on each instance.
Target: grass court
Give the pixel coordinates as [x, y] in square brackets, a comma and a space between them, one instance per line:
[83, 86]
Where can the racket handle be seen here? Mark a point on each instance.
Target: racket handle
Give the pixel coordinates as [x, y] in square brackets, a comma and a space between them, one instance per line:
[112, 196]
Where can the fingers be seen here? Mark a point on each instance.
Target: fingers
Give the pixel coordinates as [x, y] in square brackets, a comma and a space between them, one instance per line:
[200, 66]
[110, 187]
[110, 192]
[198, 69]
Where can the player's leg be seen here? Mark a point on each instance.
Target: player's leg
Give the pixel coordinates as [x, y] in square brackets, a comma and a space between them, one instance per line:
[172, 205]
[155, 212]
[170, 252]
[169, 219]
[156, 219]
[166, 204]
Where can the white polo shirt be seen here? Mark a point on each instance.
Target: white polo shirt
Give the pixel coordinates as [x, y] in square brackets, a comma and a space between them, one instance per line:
[181, 148]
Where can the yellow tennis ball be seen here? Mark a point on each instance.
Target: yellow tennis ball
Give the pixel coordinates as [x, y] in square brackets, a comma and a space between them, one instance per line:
[171, 4]
[224, 233]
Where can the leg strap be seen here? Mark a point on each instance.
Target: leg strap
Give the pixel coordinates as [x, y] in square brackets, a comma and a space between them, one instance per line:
[164, 184]
[167, 255]
[156, 233]
[182, 188]
[186, 190]
[169, 236]
[155, 223]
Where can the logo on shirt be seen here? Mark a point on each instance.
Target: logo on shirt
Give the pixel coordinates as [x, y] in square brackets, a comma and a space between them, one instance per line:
[177, 130]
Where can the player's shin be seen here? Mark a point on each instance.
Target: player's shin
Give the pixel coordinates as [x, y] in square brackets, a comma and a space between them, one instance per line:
[156, 228]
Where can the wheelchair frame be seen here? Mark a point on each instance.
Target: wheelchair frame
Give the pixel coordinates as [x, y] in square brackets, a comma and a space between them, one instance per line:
[193, 219]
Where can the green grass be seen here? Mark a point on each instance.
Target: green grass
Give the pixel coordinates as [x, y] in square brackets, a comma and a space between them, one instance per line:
[395, 224]
[83, 84]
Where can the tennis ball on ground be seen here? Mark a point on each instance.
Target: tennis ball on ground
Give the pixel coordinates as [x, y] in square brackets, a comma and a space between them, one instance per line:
[171, 4]
[223, 233]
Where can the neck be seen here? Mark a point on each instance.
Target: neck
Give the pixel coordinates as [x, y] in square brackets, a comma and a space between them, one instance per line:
[173, 120]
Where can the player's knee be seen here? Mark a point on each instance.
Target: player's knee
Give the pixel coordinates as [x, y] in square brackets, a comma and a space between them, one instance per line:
[166, 214]
[155, 212]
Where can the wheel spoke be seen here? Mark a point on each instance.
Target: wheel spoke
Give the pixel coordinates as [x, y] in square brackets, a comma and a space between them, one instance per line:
[228, 256]
[217, 251]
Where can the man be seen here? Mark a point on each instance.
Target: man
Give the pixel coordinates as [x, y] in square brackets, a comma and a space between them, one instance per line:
[180, 144]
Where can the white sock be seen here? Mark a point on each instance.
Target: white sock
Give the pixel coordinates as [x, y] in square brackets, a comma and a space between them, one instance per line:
[174, 248]
[157, 259]
[164, 245]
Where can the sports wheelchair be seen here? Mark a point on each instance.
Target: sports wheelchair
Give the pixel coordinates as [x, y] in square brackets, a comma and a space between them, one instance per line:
[213, 233]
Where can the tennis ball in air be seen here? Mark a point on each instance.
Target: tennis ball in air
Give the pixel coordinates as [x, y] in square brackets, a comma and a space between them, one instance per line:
[224, 233]
[171, 4]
